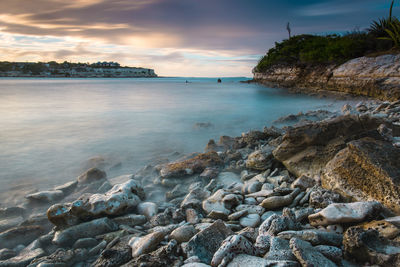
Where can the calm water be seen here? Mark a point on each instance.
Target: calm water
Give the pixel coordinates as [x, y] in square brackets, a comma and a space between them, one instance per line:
[51, 127]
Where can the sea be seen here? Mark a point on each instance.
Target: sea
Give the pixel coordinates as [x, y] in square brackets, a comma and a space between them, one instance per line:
[52, 129]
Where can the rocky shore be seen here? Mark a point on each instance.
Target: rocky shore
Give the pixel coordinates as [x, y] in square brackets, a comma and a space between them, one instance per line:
[324, 191]
[377, 77]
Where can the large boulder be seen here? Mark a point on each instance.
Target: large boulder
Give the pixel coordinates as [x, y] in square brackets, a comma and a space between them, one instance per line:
[119, 199]
[196, 164]
[305, 150]
[366, 169]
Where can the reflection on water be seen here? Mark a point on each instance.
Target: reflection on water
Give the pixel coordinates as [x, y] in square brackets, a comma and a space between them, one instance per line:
[51, 127]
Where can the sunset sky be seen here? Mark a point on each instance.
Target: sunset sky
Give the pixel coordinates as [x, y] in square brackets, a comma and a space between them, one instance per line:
[174, 37]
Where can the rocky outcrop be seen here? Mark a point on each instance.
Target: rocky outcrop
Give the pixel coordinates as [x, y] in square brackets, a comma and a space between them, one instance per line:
[305, 150]
[377, 77]
[366, 169]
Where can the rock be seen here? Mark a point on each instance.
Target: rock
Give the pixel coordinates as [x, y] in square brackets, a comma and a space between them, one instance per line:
[92, 175]
[145, 244]
[333, 253]
[6, 253]
[23, 259]
[366, 169]
[183, 233]
[20, 235]
[303, 182]
[164, 256]
[208, 174]
[61, 257]
[260, 160]
[366, 246]
[67, 188]
[231, 246]
[321, 198]
[116, 255]
[10, 222]
[305, 150]
[192, 216]
[130, 220]
[276, 202]
[236, 216]
[214, 203]
[194, 199]
[252, 209]
[307, 255]
[88, 242]
[178, 191]
[196, 164]
[338, 213]
[315, 237]
[116, 201]
[250, 220]
[384, 228]
[148, 209]
[280, 250]
[45, 196]
[88, 229]
[248, 261]
[205, 243]
[228, 178]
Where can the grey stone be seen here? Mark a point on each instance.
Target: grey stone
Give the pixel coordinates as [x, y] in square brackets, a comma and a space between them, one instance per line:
[85, 243]
[315, 237]
[130, 220]
[145, 244]
[205, 243]
[23, 259]
[250, 220]
[148, 209]
[183, 233]
[280, 250]
[21, 235]
[307, 255]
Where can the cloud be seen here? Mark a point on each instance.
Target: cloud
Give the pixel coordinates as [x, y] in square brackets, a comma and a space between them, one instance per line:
[182, 33]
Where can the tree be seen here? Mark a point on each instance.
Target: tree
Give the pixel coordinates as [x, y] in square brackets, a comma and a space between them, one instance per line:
[288, 29]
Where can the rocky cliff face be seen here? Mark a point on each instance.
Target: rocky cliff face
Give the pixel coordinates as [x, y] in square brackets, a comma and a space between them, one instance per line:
[377, 77]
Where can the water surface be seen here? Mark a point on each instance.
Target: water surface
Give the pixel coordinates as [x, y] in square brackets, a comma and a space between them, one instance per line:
[51, 127]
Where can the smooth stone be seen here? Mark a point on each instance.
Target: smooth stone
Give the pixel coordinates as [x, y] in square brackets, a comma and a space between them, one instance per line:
[6, 253]
[88, 229]
[145, 244]
[315, 237]
[85, 243]
[21, 235]
[251, 187]
[228, 178]
[92, 175]
[235, 216]
[10, 223]
[262, 193]
[130, 220]
[192, 216]
[276, 202]
[195, 264]
[148, 209]
[97, 249]
[46, 196]
[252, 209]
[23, 259]
[307, 255]
[183, 233]
[217, 215]
[67, 187]
[338, 213]
[260, 160]
[303, 182]
[250, 220]
[205, 243]
[250, 201]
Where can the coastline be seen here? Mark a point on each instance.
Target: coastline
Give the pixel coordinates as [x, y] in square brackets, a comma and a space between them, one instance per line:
[260, 179]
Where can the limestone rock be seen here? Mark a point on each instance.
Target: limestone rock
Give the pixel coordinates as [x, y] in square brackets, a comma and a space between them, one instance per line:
[190, 166]
[315, 237]
[250, 220]
[305, 150]
[338, 213]
[88, 229]
[21, 235]
[303, 182]
[148, 209]
[279, 201]
[366, 169]
[45, 196]
[145, 244]
[366, 246]
[248, 261]
[130, 220]
[23, 259]
[384, 228]
[183, 233]
[116, 201]
[92, 175]
[321, 198]
[307, 255]
[260, 160]
[205, 243]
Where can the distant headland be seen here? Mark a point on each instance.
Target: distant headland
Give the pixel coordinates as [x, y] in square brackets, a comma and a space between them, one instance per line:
[74, 70]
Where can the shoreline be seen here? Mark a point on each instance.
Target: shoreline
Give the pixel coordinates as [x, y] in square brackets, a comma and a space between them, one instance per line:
[239, 184]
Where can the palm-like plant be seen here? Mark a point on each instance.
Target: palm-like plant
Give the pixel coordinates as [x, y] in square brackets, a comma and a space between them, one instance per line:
[378, 27]
[394, 32]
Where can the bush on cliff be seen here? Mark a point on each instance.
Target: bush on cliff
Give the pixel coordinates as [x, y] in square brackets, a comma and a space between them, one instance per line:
[303, 49]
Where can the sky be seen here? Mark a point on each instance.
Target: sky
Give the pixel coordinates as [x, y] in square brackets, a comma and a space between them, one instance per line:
[192, 38]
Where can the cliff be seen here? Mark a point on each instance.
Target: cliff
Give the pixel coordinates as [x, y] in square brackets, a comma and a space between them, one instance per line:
[377, 77]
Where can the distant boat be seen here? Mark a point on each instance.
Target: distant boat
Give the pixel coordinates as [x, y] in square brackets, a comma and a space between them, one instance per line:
[219, 81]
